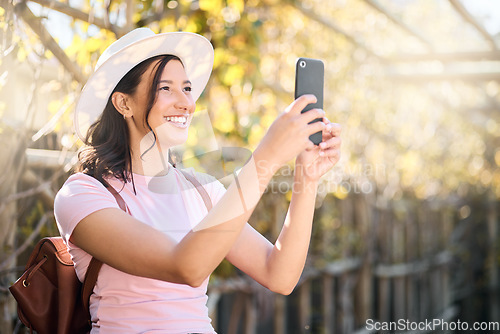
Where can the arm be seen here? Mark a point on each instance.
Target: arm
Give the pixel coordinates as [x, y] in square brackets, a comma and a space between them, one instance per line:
[140, 250]
[278, 267]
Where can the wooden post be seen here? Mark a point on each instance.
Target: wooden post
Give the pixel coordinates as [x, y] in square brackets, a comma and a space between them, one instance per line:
[280, 314]
[399, 297]
[411, 256]
[236, 313]
[386, 246]
[493, 251]
[448, 224]
[364, 290]
[384, 302]
[424, 253]
[346, 285]
[250, 315]
[328, 304]
[398, 256]
[305, 305]
[213, 301]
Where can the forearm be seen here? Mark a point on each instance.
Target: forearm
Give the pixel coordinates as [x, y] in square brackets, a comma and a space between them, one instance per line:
[201, 251]
[287, 258]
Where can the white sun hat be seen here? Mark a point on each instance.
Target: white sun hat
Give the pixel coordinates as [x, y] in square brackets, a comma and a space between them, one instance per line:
[195, 51]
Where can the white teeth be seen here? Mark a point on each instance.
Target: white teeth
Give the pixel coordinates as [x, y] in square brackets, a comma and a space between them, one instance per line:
[176, 119]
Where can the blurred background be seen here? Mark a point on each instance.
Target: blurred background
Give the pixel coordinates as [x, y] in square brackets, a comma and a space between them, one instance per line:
[406, 225]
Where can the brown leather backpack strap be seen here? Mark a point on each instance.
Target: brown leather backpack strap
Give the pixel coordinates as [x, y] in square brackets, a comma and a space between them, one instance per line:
[200, 188]
[90, 281]
[119, 199]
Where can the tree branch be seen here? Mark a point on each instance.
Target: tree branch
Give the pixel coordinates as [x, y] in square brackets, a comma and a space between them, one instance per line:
[375, 4]
[29, 240]
[330, 24]
[469, 18]
[446, 76]
[448, 56]
[79, 15]
[35, 23]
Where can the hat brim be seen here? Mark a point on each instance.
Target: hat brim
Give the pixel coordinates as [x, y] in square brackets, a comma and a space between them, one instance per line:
[195, 51]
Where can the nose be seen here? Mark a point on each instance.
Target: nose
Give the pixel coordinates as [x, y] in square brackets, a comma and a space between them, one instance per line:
[184, 102]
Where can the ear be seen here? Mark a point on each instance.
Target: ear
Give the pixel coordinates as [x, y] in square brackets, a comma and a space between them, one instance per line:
[120, 102]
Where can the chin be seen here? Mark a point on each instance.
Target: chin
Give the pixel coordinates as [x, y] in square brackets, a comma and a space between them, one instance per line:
[169, 137]
[167, 141]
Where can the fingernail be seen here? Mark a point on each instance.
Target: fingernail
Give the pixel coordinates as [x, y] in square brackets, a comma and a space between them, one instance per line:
[321, 153]
[322, 145]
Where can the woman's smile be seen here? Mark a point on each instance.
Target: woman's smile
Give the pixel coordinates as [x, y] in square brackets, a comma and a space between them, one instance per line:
[180, 121]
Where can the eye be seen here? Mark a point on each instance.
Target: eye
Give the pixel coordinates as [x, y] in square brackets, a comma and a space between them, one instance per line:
[187, 89]
[167, 88]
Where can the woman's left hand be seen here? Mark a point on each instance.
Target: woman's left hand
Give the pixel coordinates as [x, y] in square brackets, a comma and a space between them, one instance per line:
[316, 160]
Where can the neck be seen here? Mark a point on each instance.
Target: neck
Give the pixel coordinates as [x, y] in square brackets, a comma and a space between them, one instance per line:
[149, 158]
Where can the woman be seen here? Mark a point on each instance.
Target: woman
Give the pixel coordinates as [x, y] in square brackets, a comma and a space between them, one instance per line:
[157, 259]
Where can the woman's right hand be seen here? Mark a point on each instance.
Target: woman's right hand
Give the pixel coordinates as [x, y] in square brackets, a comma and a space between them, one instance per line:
[289, 133]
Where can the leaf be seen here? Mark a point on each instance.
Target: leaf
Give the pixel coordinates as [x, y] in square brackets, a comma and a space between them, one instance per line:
[239, 5]
[211, 6]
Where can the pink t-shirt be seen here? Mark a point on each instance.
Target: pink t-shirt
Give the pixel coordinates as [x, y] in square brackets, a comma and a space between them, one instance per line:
[123, 303]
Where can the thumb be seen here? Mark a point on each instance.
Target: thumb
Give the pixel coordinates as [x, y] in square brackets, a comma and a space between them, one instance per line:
[300, 103]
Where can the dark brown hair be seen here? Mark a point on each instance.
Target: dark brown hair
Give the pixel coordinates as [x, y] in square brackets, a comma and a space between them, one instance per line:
[107, 147]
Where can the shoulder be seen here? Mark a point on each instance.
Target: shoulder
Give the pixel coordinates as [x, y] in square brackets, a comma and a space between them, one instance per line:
[80, 195]
[80, 182]
[81, 186]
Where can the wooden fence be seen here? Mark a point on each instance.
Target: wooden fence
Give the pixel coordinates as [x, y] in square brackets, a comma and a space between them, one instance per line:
[408, 260]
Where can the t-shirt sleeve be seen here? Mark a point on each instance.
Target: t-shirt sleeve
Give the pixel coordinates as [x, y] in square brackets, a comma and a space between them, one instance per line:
[80, 196]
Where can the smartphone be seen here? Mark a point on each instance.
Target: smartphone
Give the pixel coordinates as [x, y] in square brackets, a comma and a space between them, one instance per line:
[309, 79]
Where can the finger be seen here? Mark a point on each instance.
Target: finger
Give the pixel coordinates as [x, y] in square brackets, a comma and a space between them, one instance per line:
[310, 146]
[333, 142]
[312, 114]
[300, 103]
[335, 129]
[315, 127]
[331, 153]
[327, 134]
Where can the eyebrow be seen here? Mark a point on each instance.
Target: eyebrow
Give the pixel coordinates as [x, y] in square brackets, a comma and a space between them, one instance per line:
[171, 82]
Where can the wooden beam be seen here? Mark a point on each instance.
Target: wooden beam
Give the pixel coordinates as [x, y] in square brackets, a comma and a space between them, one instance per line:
[375, 4]
[449, 56]
[52, 159]
[410, 268]
[35, 23]
[82, 16]
[330, 24]
[469, 18]
[424, 77]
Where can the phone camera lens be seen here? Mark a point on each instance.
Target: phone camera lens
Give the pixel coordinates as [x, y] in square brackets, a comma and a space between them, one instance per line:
[302, 63]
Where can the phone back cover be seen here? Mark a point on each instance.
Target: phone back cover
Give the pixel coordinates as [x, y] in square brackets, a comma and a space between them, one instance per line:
[310, 80]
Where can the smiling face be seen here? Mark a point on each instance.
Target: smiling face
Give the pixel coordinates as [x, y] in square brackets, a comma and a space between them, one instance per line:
[173, 108]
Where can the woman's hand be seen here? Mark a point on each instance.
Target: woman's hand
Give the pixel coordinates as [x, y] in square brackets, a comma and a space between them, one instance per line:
[316, 160]
[289, 133]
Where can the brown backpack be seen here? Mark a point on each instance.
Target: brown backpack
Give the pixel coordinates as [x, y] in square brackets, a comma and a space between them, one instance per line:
[49, 295]
[50, 298]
